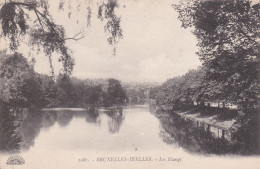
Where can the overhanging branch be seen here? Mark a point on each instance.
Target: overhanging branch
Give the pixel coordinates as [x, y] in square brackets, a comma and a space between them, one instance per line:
[40, 17]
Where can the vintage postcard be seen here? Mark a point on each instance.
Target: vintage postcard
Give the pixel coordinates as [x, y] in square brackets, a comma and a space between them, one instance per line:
[129, 84]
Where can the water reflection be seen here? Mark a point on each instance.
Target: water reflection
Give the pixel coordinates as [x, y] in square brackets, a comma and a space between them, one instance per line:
[48, 118]
[64, 118]
[105, 130]
[15, 136]
[93, 116]
[32, 122]
[175, 130]
[10, 140]
[115, 120]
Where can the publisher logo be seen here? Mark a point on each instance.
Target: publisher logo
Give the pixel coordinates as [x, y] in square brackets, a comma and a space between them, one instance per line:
[15, 160]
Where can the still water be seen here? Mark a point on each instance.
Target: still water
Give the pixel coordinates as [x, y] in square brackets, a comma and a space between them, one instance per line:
[117, 130]
[77, 138]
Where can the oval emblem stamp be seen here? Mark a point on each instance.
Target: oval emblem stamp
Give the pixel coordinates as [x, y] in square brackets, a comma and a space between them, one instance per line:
[15, 160]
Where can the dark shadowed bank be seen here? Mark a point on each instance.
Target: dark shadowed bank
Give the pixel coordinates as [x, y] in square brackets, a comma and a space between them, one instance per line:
[193, 111]
[196, 138]
[227, 83]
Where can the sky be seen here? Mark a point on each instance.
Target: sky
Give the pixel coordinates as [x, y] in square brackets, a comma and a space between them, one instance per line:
[154, 47]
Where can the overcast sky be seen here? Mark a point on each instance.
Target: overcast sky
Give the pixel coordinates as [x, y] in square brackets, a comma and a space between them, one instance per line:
[154, 46]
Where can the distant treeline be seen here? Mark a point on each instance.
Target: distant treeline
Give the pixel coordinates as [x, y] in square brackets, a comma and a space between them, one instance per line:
[195, 87]
[22, 87]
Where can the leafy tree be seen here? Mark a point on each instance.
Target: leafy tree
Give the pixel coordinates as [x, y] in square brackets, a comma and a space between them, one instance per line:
[94, 94]
[115, 94]
[181, 92]
[79, 90]
[18, 87]
[228, 37]
[65, 91]
[48, 91]
[32, 19]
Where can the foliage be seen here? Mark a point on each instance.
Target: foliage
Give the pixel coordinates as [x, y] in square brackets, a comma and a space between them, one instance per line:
[115, 94]
[18, 87]
[94, 94]
[43, 32]
[48, 90]
[182, 91]
[247, 131]
[65, 91]
[72, 92]
[229, 38]
[192, 87]
[136, 96]
[107, 11]
[31, 18]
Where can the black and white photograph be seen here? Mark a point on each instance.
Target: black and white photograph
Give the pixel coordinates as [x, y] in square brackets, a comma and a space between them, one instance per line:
[129, 84]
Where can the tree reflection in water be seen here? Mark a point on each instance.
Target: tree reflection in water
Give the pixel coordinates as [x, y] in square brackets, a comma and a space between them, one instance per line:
[10, 140]
[115, 119]
[20, 131]
[32, 122]
[64, 117]
[175, 130]
[93, 116]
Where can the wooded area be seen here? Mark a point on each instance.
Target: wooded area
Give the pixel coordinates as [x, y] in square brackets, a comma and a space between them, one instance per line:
[228, 40]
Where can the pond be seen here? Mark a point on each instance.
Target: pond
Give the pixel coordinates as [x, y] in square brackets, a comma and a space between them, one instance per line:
[78, 137]
[99, 130]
